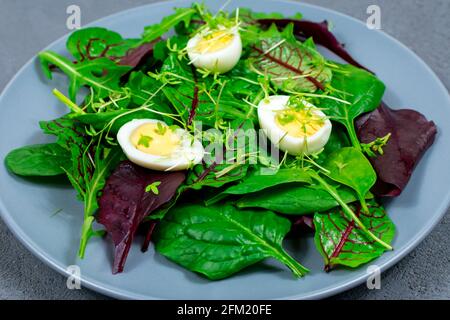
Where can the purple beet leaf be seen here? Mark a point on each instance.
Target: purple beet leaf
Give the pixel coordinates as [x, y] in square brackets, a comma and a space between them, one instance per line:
[136, 56]
[131, 193]
[300, 225]
[411, 135]
[148, 235]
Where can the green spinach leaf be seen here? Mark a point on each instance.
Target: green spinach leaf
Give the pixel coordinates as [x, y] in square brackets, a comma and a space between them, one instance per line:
[338, 140]
[360, 88]
[257, 181]
[350, 167]
[38, 160]
[295, 200]
[219, 241]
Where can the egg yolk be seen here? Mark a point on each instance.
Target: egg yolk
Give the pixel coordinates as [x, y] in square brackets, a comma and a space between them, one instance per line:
[214, 41]
[299, 123]
[155, 139]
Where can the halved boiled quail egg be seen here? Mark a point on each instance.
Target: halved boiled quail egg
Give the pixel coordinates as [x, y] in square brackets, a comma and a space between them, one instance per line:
[297, 127]
[154, 145]
[216, 50]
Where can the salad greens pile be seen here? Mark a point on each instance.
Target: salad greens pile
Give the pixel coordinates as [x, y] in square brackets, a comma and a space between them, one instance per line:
[219, 217]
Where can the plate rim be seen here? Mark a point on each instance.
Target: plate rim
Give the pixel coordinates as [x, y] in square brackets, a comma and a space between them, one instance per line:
[115, 292]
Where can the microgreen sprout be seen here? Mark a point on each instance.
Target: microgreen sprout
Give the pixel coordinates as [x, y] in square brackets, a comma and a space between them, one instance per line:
[376, 146]
[167, 77]
[153, 187]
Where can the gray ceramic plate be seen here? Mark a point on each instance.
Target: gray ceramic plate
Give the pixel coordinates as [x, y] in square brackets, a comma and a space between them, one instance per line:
[27, 206]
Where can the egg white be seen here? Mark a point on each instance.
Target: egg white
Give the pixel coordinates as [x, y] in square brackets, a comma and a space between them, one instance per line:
[189, 152]
[293, 145]
[220, 61]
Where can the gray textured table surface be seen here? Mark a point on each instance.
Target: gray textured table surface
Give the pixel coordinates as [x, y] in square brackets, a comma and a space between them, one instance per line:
[27, 26]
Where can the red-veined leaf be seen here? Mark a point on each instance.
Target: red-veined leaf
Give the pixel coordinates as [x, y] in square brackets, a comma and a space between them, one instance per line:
[290, 64]
[342, 243]
[319, 32]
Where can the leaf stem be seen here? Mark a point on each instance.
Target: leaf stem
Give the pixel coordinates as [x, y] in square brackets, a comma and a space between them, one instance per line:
[70, 104]
[297, 269]
[352, 134]
[364, 207]
[86, 232]
[348, 210]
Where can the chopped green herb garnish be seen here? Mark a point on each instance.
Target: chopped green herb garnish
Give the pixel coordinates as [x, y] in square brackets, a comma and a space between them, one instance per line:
[145, 141]
[161, 129]
[285, 118]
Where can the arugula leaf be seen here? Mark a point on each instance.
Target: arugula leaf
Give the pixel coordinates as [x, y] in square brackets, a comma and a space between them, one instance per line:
[256, 182]
[295, 200]
[360, 88]
[38, 160]
[350, 167]
[105, 161]
[181, 15]
[219, 241]
[102, 75]
[291, 65]
[342, 243]
[114, 120]
[95, 42]
[91, 165]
